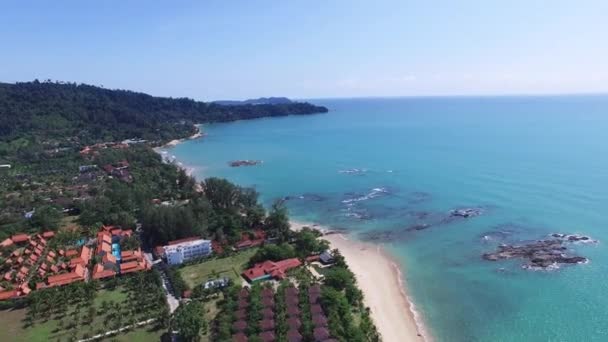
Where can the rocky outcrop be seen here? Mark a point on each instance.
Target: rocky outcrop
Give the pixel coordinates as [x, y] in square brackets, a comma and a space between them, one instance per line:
[541, 254]
[466, 212]
[238, 163]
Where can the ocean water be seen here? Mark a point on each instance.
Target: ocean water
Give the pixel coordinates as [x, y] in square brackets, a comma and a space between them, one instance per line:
[535, 165]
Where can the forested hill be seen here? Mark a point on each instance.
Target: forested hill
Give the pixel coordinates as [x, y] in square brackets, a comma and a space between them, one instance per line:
[56, 109]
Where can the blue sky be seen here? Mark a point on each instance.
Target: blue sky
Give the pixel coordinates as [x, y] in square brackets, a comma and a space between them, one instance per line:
[338, 48]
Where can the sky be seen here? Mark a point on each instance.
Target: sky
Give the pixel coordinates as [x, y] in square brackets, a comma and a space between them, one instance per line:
[211, 50]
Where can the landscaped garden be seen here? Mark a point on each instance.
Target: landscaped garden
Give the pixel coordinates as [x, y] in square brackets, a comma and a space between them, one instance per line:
[230, 267]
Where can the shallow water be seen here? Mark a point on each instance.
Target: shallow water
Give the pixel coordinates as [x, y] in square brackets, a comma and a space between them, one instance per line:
[535, 165]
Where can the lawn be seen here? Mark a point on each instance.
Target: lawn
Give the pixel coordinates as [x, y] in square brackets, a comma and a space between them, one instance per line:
[230, 267]
[12, 324]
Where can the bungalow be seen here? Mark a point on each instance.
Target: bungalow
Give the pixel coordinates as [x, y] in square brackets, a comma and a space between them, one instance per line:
[48, 234]
[321, 334]
[326, 258]
[268, 313]
[267, 325]
[239, 326]
[20, 238]
[134, 266]
[270, 270]
[319, 320]
[267, 336]
[240, 314]
[5, 295]
[316, 309]
[83, 259]
[239, 337]
[78, 274]
[293, 335]
[294, 323]
[54, 269]
[102, 271]
[249, 240]
[293, 311]
[71, 253]
[6, 242]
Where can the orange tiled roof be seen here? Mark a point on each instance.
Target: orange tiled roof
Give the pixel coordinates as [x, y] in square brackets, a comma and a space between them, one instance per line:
[99, 272]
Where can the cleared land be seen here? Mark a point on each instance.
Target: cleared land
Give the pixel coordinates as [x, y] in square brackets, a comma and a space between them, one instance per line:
[230, 267]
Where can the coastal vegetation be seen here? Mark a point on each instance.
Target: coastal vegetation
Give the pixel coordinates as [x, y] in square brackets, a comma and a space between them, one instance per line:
[82, 157]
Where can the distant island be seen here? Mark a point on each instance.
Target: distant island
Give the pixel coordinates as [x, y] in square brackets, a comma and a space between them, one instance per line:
[258, 101]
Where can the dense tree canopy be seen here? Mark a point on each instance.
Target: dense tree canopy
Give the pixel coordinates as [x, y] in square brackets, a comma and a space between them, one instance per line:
[57, 109]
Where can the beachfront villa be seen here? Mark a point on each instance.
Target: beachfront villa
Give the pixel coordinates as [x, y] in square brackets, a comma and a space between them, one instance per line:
[270, 270]
[180, 251]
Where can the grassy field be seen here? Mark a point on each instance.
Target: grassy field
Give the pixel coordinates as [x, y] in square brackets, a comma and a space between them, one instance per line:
[230, 267]
[12, 326]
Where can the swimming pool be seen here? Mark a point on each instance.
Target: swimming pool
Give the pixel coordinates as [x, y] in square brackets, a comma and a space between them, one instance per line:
[116, 251]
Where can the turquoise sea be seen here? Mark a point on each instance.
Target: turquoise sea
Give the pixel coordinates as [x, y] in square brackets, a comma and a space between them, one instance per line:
[536, 165]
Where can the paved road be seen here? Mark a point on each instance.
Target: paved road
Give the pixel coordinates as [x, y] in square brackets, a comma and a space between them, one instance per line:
[112, 332]
[171, 300]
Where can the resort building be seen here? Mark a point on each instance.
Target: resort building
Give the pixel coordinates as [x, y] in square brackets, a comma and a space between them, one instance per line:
[177, 252]
[271, 270]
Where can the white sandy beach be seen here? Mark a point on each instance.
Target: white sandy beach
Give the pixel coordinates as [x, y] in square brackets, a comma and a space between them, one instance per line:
[379, 278]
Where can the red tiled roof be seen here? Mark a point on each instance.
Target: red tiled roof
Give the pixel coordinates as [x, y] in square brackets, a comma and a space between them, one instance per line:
[18, 238]
[239, 326]
[108, 257]
[6, 243]
[4, 295]
[321, 334]
[71, 252]
[66, 278]
[52, 254]
[267, 336]
[55, 269]
[240, 337]
[275, 269]
[48, 235]
[99, 272]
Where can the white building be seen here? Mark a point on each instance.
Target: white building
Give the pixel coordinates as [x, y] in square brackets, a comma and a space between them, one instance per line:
[178, 253]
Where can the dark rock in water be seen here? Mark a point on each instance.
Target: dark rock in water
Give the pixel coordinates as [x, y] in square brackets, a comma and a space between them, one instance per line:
[573, 237]
[421, 226]
[540, 254]
[466, 212]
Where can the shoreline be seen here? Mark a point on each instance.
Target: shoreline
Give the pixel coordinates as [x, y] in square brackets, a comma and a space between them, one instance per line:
[380, 278]
[176, 142]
